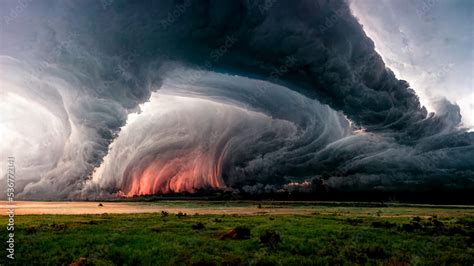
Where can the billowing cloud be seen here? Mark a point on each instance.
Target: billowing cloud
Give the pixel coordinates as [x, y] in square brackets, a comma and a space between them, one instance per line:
[429, 43]
[216, 133]
[239, 93]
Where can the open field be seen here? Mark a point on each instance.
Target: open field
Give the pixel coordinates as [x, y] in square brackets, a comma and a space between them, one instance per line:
[240, 233]
[238, 207]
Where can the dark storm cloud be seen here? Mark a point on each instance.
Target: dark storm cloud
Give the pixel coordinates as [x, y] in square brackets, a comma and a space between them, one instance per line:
[334, 60]
[106, 57]
[212, 130]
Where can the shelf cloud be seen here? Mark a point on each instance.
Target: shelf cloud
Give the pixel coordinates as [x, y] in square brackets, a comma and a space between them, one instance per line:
[120, 98]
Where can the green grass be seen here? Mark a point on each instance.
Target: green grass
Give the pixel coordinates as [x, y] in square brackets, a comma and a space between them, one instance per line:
[348, 235]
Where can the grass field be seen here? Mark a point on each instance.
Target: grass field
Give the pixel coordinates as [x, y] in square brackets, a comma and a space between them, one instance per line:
[327, 234]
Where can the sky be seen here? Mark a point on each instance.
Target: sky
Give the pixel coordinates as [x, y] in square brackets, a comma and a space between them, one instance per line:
[104, 99]
[429, 43]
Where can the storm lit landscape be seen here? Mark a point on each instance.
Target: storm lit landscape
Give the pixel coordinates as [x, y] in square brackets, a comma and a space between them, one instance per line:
[266, 132]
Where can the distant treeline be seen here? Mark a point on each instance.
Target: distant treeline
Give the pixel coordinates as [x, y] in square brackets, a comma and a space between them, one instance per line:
[434, 196]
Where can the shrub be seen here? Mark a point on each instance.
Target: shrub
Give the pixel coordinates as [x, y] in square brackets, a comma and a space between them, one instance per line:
[354, 221]
[270, 238]
[237, 233]
[198, 226]
[385, 224]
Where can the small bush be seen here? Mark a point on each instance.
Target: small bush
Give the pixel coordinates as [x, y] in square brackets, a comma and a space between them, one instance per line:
[270, 238]
[355, 255]
[437, 223]
[376, 252]
[385, 224]
[417, 226]
[354, 221]
[237, 233]
[407, 228]
[198, 226]
[58, 227]
[31, 230]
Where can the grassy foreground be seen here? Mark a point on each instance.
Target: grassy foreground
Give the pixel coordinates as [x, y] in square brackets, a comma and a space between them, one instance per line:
[351, 235]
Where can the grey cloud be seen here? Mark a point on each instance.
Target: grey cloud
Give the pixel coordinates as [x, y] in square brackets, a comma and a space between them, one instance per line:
[106, 59]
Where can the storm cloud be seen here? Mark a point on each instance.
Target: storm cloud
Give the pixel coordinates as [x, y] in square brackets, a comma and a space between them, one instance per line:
[142, 97]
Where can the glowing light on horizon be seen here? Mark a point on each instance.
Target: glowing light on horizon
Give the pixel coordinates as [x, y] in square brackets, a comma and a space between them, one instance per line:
[184, 174]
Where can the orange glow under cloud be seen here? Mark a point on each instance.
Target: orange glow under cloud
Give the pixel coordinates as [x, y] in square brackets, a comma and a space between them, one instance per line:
[184, 174]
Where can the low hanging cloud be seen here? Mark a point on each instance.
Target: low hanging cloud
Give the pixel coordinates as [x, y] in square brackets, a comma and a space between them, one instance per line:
[299, 87]
[211, 135]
